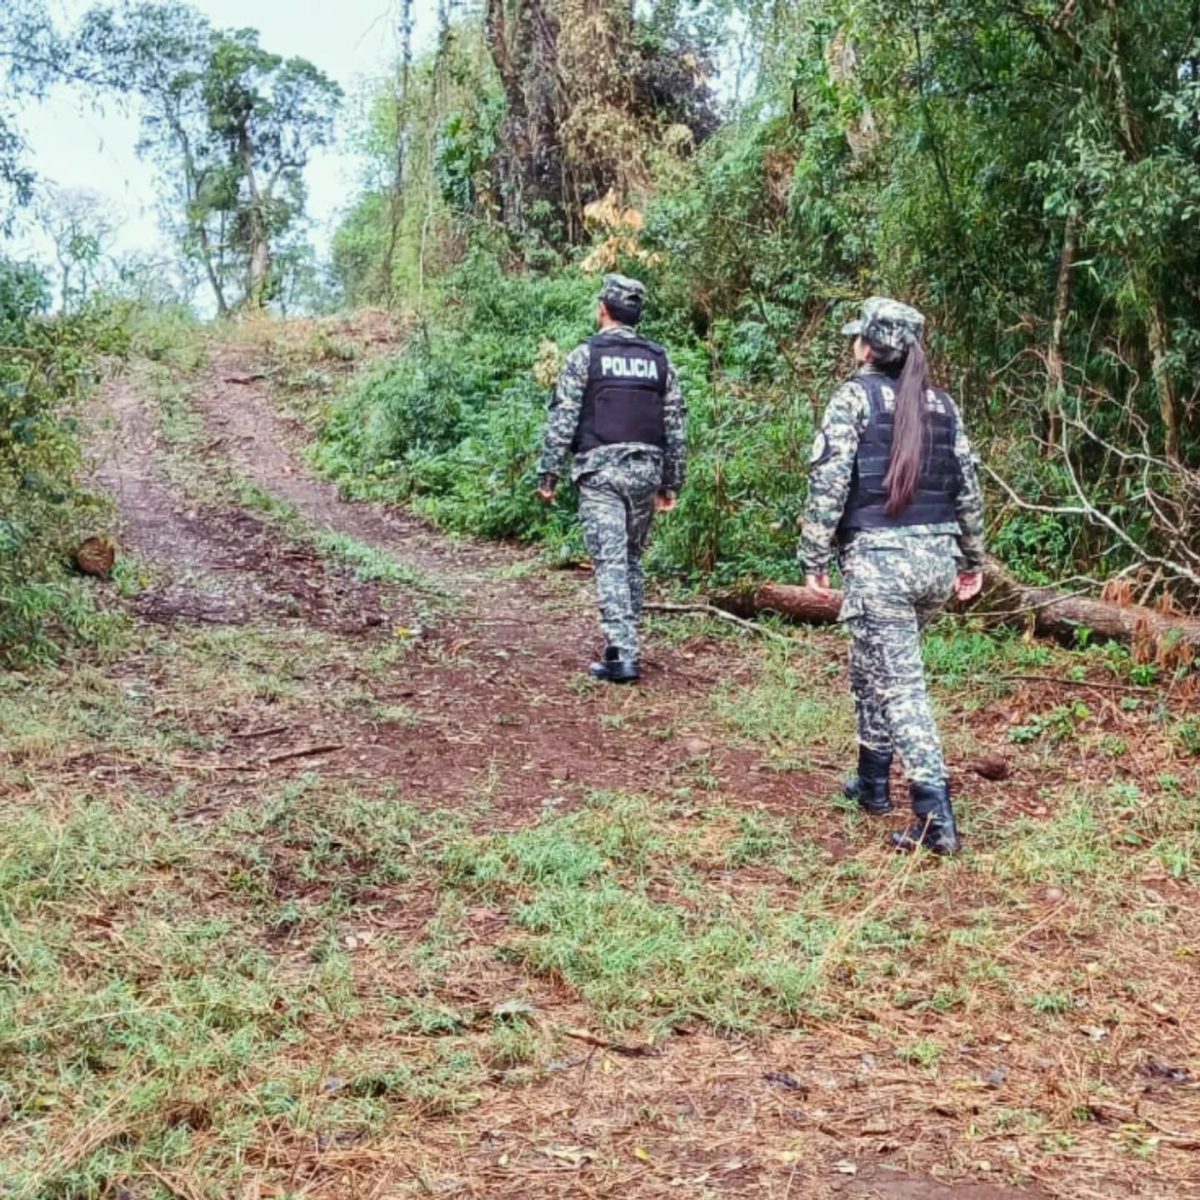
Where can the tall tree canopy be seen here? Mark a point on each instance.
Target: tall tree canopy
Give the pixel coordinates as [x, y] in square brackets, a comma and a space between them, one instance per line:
[32, 55]
[231, 128]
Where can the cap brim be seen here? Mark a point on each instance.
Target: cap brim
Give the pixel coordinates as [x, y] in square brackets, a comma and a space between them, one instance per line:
[853, 329]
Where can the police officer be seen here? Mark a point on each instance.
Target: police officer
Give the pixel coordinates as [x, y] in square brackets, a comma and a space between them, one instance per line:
[893, 484]
[618, 409]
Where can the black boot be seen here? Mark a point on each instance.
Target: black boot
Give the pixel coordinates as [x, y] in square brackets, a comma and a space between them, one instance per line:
[613, 670]
[871, 786]
[933, 821]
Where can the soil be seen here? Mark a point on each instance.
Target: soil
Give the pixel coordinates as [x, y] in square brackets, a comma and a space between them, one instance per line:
[494, 680]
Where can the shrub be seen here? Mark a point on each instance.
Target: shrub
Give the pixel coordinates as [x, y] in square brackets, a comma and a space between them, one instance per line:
[46, 365]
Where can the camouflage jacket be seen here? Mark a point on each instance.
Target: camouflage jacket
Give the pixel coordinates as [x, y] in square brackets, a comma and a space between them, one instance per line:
[829, 481]
[566, 406]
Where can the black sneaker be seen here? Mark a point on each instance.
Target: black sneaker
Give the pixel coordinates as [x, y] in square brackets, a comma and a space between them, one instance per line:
[933, 826]
[613, 669]
[871, 787]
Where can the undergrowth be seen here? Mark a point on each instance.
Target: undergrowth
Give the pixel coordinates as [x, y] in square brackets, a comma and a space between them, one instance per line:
[452, 427]
[47, 367]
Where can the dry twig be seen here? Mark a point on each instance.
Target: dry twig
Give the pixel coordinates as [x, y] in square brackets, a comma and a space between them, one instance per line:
[711, 610]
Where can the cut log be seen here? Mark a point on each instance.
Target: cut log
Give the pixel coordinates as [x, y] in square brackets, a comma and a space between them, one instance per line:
[1164, 638]
[96, 556]
[798, 603]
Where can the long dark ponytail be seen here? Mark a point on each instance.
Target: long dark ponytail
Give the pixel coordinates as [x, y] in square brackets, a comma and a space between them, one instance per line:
[910, 430]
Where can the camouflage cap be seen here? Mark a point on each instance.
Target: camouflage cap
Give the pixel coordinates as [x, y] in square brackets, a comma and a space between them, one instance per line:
[887, 323]
[620, 289]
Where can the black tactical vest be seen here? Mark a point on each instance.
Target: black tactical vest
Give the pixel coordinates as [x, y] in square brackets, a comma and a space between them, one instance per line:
[624, 397]
[941, 477]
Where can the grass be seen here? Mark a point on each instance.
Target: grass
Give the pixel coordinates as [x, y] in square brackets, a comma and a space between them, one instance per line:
[325, 979]
[371, 565]
[781, 709]
[193, 991]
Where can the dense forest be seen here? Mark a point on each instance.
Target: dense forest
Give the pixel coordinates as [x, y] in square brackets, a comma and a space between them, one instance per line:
[1029, 174]
[328, 869]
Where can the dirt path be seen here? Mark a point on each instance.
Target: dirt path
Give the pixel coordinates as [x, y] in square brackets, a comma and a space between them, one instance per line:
[482, 706]
[496, 680]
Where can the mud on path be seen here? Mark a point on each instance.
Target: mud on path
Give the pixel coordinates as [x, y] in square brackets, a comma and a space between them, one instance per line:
[210, 563]
[498, 671]
[495, 705]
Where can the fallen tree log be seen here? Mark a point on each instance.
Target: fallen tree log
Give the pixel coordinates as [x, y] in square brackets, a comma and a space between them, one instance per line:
[798, 603]
[1165, 638]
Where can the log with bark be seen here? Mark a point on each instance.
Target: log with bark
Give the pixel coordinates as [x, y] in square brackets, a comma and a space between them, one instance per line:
[96, 556]
[1167, 638]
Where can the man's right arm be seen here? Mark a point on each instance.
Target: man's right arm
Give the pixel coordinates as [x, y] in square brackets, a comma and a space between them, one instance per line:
[562, 421]
[675, 423]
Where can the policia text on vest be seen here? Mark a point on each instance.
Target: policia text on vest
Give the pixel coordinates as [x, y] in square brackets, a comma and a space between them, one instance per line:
[624, 399]
[627, 367]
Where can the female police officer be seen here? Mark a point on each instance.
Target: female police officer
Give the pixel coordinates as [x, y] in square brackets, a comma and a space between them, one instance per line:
[893, 483]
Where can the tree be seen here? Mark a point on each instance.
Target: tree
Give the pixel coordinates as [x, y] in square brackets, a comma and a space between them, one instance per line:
[80, 226]
[31, 55]
[231, 128]
[593, 93]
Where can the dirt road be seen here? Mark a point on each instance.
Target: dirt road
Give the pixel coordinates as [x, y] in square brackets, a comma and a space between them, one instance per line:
[496, 674]
[530, 936]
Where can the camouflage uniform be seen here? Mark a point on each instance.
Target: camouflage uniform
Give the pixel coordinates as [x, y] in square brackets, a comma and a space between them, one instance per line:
[617, 483]
[895, 580]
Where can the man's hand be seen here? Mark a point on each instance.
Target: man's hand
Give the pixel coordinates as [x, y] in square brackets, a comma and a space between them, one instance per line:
[968, 585]
[664, 502]
[819, 583]
[546, 495]
[546, 486]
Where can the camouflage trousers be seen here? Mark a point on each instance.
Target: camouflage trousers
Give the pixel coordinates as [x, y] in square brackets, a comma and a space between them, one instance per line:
[893, 588]
[616, 508]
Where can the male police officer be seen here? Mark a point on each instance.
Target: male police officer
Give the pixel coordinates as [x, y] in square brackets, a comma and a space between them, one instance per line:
[618, 409]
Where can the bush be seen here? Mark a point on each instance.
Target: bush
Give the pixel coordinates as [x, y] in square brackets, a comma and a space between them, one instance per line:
[454, 426]
[46, 365]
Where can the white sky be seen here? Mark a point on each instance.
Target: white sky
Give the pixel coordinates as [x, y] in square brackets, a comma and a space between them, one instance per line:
[82, 141]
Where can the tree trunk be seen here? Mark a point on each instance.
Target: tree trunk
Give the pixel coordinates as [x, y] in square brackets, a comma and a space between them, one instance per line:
[800, 603]
[1168, 405]
[396, 214]
[1156, 321]
[525, 59]
[1055, 357]
[259, 266]
[210, 269]
[1054, 614]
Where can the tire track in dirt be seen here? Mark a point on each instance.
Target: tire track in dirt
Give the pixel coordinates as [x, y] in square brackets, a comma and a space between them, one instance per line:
[497, 683]
[125, 447]
[216, 566]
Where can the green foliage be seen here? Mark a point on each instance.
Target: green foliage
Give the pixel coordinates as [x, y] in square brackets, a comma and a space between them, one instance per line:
[46, 365]
[453, 424]
[34, 55]
[231, 127]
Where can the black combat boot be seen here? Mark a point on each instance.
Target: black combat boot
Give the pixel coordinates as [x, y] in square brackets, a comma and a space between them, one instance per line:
[933, 821]
[871, 786]
[613, 669]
